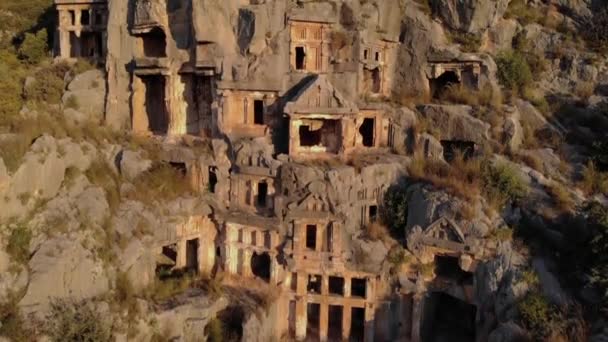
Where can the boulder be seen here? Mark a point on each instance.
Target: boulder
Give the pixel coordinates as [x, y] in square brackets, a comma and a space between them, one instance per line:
[500, 36]
[63, 268]
[473, 16]
[429, 146]
[456, 122]
[86, 97]
[513, 133]
[4, 176]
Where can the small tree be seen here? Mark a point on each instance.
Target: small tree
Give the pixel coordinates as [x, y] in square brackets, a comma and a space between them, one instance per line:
[34, 47]
[394, 210]
[513, 71]
[69, 320]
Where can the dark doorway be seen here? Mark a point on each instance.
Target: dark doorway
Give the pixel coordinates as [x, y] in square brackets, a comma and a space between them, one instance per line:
[457, 148]
[260, 265]
[309, 137]
[440, 84]
[72, 17]
[85, 18]
[292, 318]
[358, 287]
[336, 286]
[367, 132]
[314, 318]
[258, 112]
[154, 43]
[262, 193]
[179, 167]
[158, 120]
[300, 58]
[447, 318]
[449, 268]
[373, 213]
[192, 255]
[357, 324]
[376, 80]
[334, 324]
[168, 262]
[212, 179]
[311, 237]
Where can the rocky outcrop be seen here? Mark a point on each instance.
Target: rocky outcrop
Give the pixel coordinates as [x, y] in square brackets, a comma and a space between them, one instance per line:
[63, 268]
[85, 97]
[455, 122]
[473, 16]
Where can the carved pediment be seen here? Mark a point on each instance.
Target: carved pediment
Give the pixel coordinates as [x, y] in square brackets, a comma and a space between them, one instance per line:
[445, 229]
[314, 202]
[320, 97]
[148, 14]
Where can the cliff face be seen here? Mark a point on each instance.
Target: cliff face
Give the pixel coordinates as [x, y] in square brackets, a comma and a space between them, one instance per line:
[276, 169]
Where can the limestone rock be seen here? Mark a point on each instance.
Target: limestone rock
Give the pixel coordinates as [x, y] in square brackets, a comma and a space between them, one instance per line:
[508, 332]
[4, 176]
[62, 268]
[132, 164]
[513, 132]
[472, 16]
[86, 94]
[500, 36]
[456, 122]
[429, 146]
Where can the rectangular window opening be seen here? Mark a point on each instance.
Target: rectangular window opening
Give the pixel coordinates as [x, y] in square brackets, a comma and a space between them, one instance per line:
[311, 237]
[258, 112]
[85, 17]
[262, 194]
[358, 287]
[314, 284]
[373, 213]
[336, 286]
[300, 58]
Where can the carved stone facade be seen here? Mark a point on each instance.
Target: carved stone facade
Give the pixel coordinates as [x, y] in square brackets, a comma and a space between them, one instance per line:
[292, 232]
[81, 29]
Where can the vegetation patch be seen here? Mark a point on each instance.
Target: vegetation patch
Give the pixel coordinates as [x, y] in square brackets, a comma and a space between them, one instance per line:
[19, 244]
[69, 320]
[513, 71]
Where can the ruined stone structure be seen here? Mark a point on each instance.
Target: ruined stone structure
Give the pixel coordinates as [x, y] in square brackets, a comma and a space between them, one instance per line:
[81, 29]
[275, 95]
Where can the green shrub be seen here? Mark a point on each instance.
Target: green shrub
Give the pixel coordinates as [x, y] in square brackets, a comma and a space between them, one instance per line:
[19, 244]
[502, 184]
[394, 210]
[596, 30]
[12, 324]
[469, 42]
[513, 71]
[215, 330]
[10, 86]
[522, 12]
[47, 87]
[599, 153]
[75, 321]
[34, 47]
[536, 315]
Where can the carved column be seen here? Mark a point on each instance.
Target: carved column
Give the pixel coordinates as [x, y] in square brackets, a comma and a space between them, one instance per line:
[181, 254]
[369, 322]
[346, 321]
[323, 321]
[246, 266]
[301, 318]
[417, 313]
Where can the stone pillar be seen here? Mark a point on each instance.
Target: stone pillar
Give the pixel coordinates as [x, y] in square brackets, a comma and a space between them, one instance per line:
[232, 256]
[176, 104]
[417, 313]
[369, 322]
[324, 285]
[246, 266]
[181, 254]
[346, 321]
[347, 287]
[64, 43]
[323, 321]
[301, 318]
